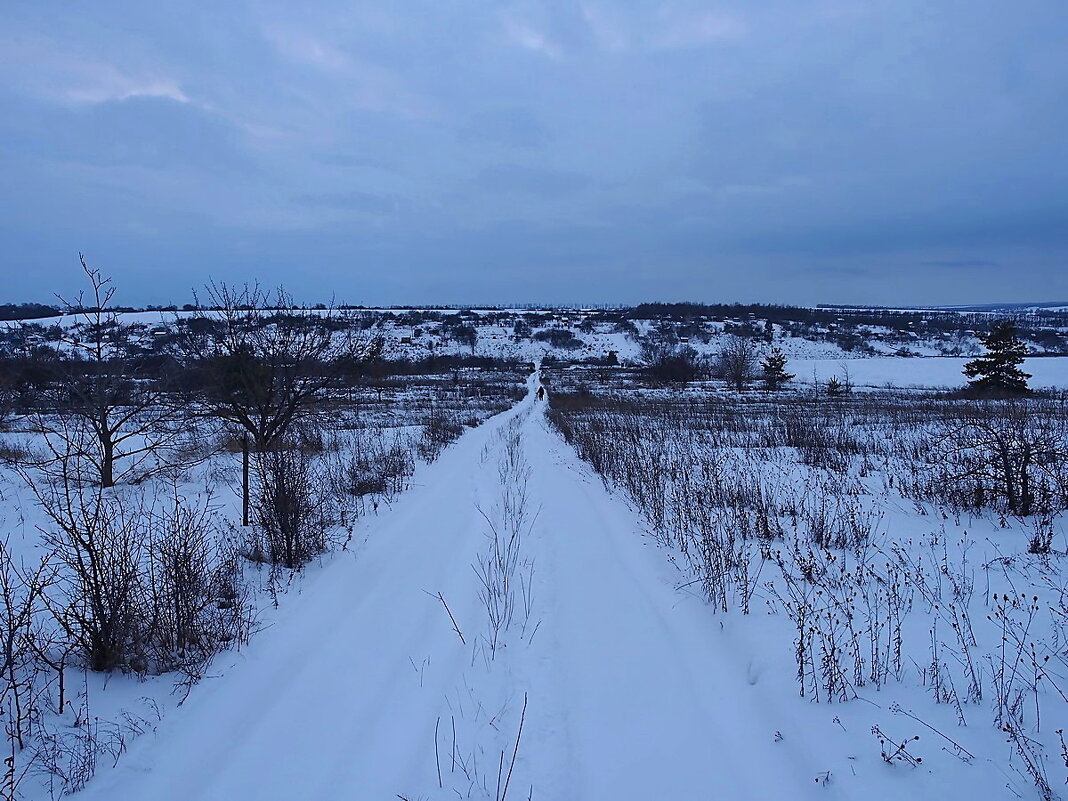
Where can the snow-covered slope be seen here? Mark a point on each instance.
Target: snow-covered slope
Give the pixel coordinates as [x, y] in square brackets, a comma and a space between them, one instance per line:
[581, 335]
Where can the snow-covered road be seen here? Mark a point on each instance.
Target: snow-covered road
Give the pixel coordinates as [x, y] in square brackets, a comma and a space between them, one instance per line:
[651, 707]
[630, 693]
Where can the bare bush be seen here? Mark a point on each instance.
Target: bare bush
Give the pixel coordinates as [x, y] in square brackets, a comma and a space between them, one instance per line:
[365, 464]
[678, 365]
[22, 592]
[291, 507]
[1007, 455]
[440, 429]
[194, 590]
[504, 575]
[100, 548]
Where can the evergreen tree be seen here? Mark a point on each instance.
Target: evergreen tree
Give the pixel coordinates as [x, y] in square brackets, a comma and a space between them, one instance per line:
[774, 370]
[998, 370]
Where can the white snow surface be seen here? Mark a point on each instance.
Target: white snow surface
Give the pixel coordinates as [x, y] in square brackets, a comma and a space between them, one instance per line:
[630, 694]
[920, 372]
[634, 689]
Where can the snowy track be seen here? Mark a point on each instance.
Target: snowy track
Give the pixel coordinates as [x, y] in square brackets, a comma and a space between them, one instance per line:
[630, 693]
[652, 708]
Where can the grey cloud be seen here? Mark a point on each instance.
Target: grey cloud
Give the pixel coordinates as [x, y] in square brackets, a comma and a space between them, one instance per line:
[962, 264]
[873, 152]
[364, 202]
[510, 127]
[541, 182]
[152, 132]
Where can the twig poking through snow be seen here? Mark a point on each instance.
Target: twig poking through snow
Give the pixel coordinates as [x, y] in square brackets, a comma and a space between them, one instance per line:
[437, 761]
[522, 717]
[455, 627]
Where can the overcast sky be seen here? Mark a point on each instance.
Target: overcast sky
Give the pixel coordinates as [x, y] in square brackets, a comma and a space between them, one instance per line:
[877, 151]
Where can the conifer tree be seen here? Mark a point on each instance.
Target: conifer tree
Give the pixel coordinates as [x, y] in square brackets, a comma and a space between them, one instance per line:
[998, 370]
[774, 370]
[836, 388]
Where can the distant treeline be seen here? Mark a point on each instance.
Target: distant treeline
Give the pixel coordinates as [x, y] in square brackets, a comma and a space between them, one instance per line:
[27, 311]
[37, 311]
[824, 316]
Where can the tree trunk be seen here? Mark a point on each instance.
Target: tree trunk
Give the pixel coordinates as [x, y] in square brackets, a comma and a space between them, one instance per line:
[244, 480]
[107, 463]
[1025, 481]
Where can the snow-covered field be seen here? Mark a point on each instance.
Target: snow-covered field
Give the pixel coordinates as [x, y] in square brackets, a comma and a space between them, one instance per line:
[363, 688]
[696, 594]
[377, 679]
[926, 372]
[390, 671]
[844, 555]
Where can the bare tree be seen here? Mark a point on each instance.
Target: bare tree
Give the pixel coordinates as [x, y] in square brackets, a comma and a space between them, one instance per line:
[266, 364]
[737, 362]
[105, 410]
[466, 334]
[7, 397]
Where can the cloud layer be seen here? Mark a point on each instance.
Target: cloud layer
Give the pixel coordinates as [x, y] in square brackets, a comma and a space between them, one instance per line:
[893, 151]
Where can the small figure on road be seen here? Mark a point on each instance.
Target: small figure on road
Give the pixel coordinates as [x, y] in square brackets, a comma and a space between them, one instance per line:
[541, 393]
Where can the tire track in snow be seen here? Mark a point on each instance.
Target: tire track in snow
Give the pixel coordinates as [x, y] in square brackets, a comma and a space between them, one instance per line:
[652, 708]
[325, 704]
